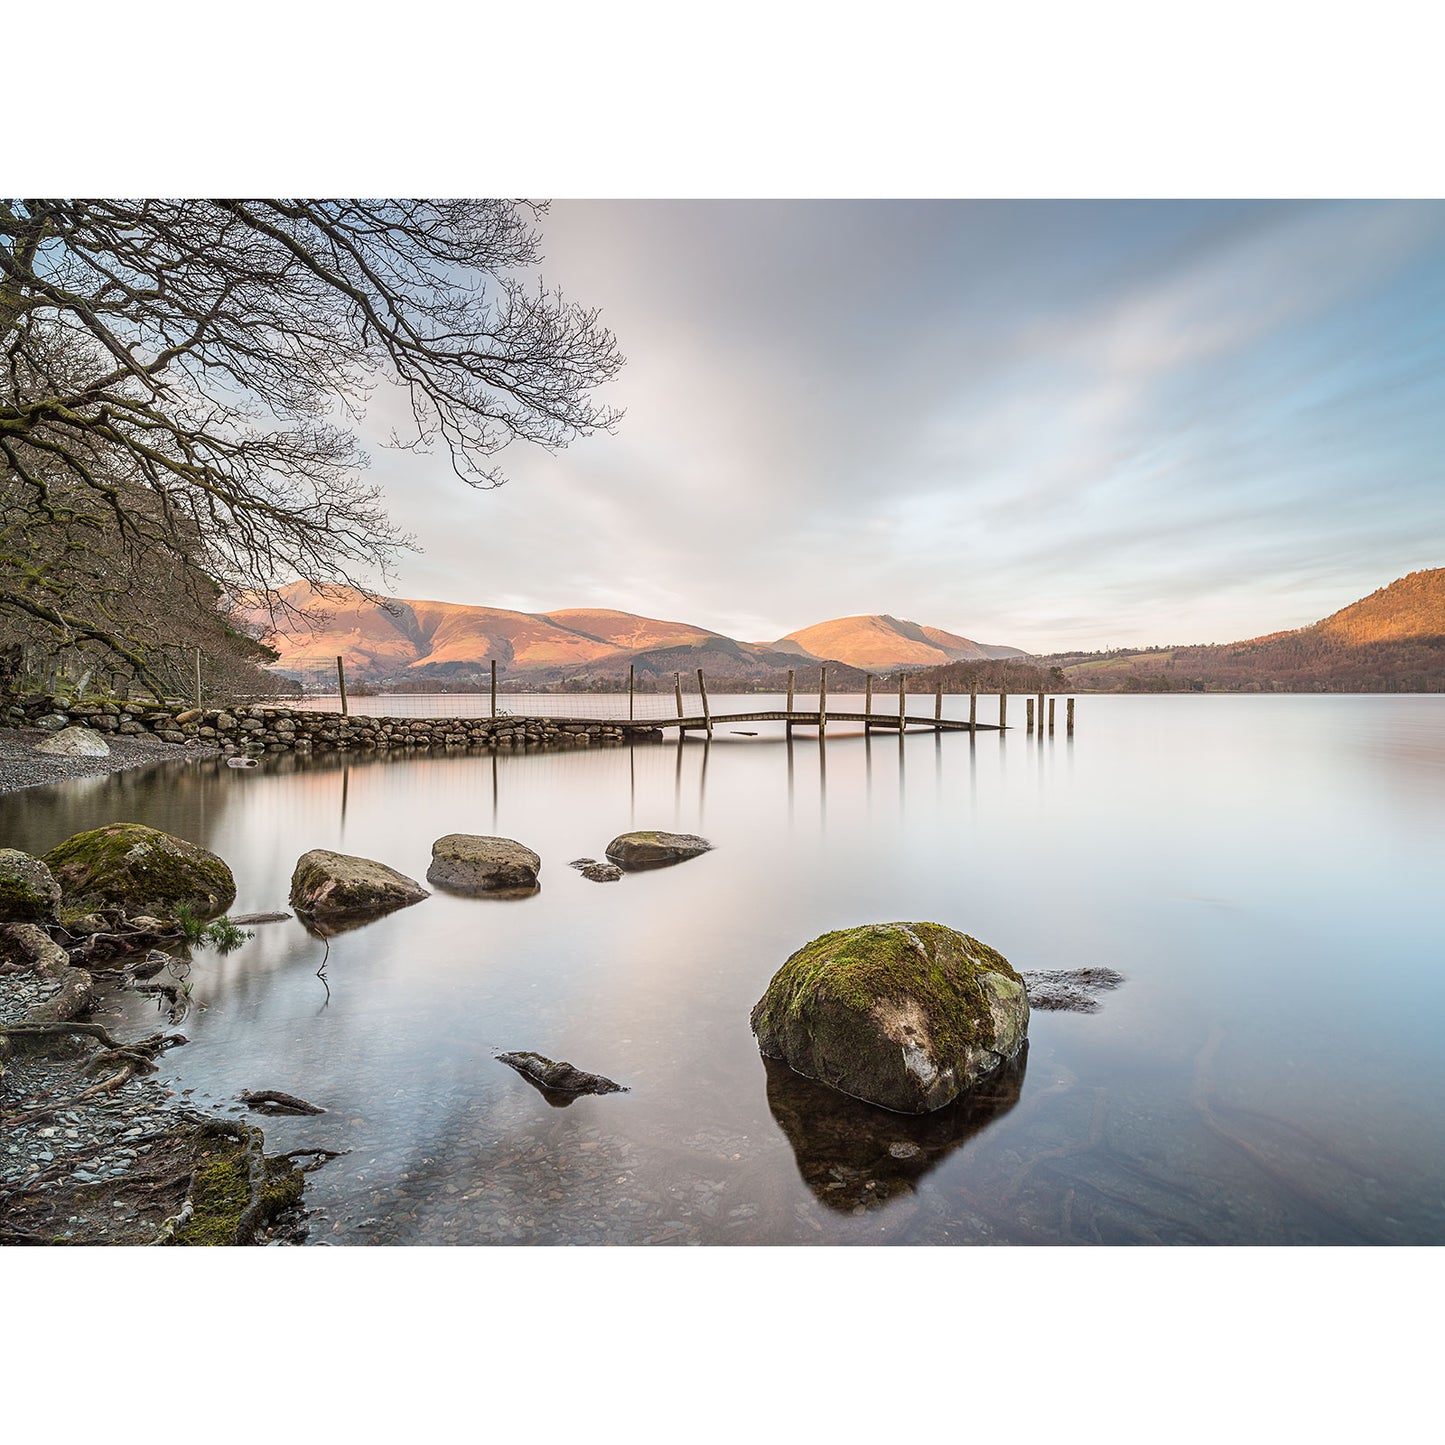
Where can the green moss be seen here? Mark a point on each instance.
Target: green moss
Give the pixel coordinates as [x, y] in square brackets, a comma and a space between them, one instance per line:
[222, 1192]
[142, 870]
[855, 969]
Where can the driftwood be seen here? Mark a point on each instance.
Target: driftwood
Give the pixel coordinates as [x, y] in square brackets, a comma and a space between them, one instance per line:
[273, 1101]
[261, 918]
[560, 1078]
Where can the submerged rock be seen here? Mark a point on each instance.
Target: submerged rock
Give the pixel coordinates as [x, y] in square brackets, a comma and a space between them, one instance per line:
[1069, 990]
[75, 742]
[333, 889]
[559, 1078]
[28, 890]
[140, 870]
[651, 849]
[472, 864]
[905, 1015]
[597, 872]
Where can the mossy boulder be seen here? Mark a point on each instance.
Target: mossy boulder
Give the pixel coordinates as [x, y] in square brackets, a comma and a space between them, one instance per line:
[904, 1015]
[649, 848]
[28, 890]
[140, 870]
[472, 864]
[337, 888]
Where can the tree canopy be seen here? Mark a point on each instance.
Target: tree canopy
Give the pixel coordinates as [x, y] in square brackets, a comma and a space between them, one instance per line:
[181, 379]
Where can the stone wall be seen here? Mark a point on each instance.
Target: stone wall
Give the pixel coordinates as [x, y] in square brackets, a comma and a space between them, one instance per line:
[275, 728]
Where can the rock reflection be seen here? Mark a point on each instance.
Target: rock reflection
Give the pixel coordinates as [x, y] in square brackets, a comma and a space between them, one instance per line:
[856, 1156]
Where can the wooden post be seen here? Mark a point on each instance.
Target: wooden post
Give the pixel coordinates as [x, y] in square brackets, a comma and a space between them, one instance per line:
[867, 700]
[1041, 714]
[706, 715]
[822, 700]
[341, 681]
[1051, 717]
[494, 687]
[1002, 711]
[790, 704]
[901, 705]
[973, 709]
[1069, 718]
[630, 713]
[1029, 715]
[198, 678]
[677, 684]
[938, 707]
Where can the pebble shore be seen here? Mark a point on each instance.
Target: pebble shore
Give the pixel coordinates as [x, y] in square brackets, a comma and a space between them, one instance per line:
[22, 767]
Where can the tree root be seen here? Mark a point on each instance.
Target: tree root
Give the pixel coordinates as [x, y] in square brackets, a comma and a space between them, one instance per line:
[274, 1101]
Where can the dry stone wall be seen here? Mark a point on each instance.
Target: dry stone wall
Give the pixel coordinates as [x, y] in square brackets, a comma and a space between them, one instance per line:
[273, 728]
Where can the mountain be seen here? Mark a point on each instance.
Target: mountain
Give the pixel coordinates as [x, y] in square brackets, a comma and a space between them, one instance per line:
[1391, 641]
[408, 642]
[879, 642]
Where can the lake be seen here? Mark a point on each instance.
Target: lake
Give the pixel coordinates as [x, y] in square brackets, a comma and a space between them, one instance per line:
[1265, 872]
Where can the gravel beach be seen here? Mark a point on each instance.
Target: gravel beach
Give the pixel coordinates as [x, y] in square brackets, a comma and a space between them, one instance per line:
[22, 767]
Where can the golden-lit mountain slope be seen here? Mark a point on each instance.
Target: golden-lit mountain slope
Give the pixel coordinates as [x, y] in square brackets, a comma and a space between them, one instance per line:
[1413, 606]
[880, 641]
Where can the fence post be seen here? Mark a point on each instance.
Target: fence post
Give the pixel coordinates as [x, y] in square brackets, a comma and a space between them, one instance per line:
[494, 687]
[341, 680]
[822, 700]
[630, 713]
[1069, 718]
[706, 715]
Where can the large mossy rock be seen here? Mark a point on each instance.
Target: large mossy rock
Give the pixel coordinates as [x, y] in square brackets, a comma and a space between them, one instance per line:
[140, 870]
[469, 863]
[28, 890]
[906, 1015]
[334, 889]
[75, 742]
[651, 849]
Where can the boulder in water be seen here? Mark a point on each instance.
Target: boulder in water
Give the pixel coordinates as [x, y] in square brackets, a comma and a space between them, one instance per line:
[652, 849]
[140, 870]
[904, 1015]
[337, 888]
[473, 864]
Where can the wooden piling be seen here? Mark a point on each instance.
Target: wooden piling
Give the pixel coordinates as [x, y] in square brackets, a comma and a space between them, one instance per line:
[1041, 714]
[790, 703]
[1069, 718]
[630, 713]
[1051, 717]
[341, 682]
[938, 706]
[973, 709]
[706, 715]
[1029, 716]
[867, 701]
[677, 687]
[822, 700]
[1002, 711]
[901, 705]
[494, 687]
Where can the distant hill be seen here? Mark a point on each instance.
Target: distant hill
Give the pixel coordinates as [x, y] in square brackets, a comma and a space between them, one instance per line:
[1391, 641]
[410, 644]
[879, 641]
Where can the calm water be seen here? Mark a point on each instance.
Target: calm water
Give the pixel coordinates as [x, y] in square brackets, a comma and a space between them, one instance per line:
[1265, 872]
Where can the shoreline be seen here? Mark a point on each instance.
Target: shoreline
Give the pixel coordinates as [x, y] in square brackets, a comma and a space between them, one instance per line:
[22, 767]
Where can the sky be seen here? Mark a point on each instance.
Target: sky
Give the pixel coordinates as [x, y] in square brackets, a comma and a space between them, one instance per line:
[1049, 425]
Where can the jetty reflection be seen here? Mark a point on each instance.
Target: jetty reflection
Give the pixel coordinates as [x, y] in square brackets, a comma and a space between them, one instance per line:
[856, 1156]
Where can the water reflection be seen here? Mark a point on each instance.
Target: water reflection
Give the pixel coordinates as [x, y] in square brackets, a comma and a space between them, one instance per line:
[855, 1157]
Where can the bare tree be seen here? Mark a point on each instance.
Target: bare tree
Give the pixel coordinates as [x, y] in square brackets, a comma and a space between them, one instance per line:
[180, 378]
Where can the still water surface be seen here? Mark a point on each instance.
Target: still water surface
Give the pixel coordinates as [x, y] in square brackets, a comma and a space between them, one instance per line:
[1265, 871]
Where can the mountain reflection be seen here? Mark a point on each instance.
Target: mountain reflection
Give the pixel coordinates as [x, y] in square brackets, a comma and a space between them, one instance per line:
[855, 1156]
